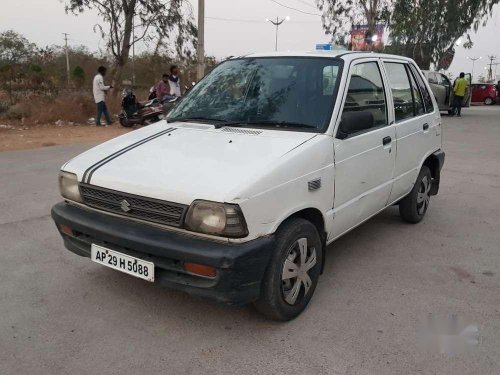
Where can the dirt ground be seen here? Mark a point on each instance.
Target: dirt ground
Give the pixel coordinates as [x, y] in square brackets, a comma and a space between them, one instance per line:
[27, 136]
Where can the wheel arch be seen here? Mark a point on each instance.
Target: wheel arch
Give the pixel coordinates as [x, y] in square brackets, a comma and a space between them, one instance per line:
[434, 163]
[315, 217]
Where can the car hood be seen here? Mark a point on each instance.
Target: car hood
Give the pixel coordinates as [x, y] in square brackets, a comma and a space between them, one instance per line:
[184, 162]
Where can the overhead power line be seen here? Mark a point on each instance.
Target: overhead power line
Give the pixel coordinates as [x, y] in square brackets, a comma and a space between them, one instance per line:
[297, 10]
[308, 4]
[252, 21]
[232, 20]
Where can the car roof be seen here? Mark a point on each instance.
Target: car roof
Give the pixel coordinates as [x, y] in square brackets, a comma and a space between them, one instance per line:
[344, 55]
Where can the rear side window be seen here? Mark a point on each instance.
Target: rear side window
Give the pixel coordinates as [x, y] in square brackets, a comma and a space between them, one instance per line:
[418, 103]
[401, 90]
[432, 78]
[366, 92]
[429, 106]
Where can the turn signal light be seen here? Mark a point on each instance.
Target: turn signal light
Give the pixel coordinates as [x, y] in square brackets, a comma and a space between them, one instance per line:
[200, 269]
[65, 229]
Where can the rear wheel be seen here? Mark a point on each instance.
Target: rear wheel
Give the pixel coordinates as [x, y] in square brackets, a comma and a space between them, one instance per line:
[125, 122]
[293, 271]
[413, 207]
[488, 101]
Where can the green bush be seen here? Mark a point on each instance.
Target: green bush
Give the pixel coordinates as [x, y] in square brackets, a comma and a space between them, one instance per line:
[4, 107]
[18, 111]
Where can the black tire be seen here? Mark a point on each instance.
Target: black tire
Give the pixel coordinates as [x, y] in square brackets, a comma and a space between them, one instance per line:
[451, 112]
[275, 291]
[412, 208]
[125, 122]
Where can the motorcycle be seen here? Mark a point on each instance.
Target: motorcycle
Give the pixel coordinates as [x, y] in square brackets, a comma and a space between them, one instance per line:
[139, 113]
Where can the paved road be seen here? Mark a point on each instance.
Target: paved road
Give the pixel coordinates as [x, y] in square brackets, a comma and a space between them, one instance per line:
[62, 314]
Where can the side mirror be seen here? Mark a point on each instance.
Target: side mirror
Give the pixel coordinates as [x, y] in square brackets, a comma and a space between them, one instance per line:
[354, 122]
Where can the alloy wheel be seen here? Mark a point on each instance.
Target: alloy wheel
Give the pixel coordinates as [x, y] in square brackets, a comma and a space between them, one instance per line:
[296, 281]
[423, 195]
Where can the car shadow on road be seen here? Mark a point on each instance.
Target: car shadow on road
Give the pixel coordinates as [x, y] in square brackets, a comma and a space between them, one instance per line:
[159, 303]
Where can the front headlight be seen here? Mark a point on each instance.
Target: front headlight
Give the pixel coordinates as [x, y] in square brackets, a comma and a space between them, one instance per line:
[68, 185]
[219, 219]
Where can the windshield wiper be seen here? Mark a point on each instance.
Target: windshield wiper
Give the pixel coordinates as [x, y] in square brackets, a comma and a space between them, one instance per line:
[278, 124]
[198, 118]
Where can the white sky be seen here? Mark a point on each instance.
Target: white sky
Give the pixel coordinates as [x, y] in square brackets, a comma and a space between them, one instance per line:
[44, 21]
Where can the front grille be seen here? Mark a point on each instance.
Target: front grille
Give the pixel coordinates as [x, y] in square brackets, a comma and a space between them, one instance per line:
[135, 206]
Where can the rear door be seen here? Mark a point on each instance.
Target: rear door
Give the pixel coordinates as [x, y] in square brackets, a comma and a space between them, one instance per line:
[439, 91]
[415, 120]
[364, 161]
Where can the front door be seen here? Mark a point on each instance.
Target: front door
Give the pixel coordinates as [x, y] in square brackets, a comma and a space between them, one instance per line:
[364, 161]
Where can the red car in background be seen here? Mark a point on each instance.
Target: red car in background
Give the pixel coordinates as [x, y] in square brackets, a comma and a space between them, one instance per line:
[484, 93]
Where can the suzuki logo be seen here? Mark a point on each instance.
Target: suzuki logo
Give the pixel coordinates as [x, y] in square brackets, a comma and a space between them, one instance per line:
[125, 206]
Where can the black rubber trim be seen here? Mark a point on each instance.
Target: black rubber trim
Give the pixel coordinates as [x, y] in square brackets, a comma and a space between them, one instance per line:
[90, 171]
[240, 266]
[439, 156]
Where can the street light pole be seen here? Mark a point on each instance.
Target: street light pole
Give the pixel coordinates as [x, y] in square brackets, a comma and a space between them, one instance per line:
[277, 23]
[473, 59]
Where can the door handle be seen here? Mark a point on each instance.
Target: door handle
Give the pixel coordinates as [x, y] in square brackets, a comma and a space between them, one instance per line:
[425, 127]
[386, 140]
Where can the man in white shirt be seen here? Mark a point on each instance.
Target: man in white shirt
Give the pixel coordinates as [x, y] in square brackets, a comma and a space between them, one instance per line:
[100, 90]
[174, 81]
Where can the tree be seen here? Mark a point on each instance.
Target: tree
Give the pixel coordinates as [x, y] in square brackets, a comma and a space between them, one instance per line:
[78, 76]
[126, 22]
[15, 50]
[339, 16]
[426, 30]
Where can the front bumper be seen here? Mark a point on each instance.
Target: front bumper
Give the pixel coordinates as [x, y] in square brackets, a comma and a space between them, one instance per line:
[240, 267]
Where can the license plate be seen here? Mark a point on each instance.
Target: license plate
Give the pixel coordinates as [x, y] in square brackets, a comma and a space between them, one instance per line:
[124, 263]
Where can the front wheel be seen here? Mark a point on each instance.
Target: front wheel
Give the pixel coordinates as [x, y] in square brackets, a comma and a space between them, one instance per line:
[488, 101]
[413, 207]
[293, 271]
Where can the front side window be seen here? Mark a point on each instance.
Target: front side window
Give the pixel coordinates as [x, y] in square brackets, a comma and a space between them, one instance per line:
[366, 92]
[444, 80]
[401, 90]
[288, 92]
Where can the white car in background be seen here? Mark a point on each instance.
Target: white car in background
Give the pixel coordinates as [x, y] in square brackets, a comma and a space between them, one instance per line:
[266, 161]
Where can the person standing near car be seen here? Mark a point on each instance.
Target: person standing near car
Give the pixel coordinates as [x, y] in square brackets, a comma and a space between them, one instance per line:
[163, 88]
[459, 89]
[100, 90]
[174, 81]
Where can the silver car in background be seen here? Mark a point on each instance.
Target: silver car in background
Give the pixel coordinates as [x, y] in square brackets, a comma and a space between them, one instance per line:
[442, 88]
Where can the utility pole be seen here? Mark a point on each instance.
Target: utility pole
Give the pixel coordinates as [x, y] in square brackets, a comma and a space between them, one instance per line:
[473, 59]
[200, 50]
[133, 52]
[490, 70]
[67, 56]
[277, 23]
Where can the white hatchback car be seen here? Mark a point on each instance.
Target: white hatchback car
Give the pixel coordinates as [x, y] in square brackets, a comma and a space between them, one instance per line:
[266, 161]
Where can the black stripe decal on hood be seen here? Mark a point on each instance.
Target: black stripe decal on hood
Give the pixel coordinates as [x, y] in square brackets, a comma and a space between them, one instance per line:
[90, 171]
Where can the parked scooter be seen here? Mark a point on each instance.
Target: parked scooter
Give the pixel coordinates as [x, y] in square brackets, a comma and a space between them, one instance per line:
[139, 113]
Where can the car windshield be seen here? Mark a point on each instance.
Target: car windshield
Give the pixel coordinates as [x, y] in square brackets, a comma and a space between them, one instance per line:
[291, 92]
